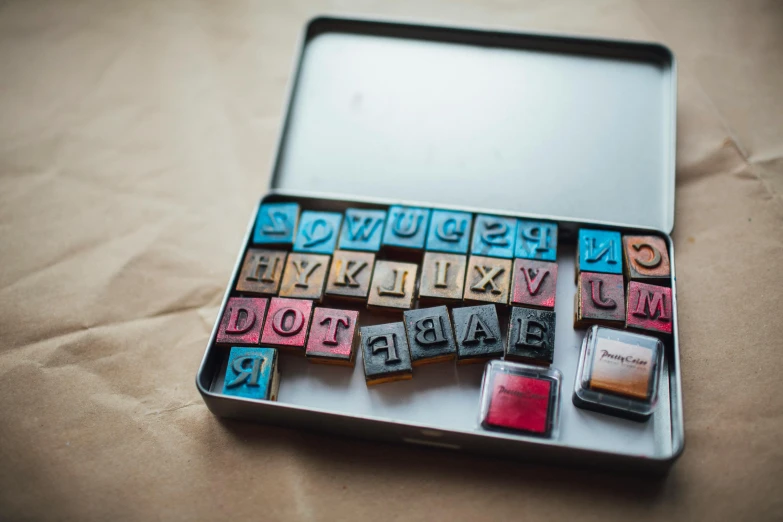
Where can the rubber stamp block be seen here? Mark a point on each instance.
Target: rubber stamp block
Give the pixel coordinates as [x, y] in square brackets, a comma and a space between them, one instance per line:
[318, 232]
[649, 307]
[262, 271]
[531, 336]
[646, 259]
[287, 323]
[242, 320]
[406, 227]
[252, 373]
[332, 336]
[385, 353]
[494, 236]
[362, 230]
[534, 284]
[600, 299]
[488, 279]
[276, 224]
[477, 332]
[442, 277]
[392, 285]
[304, 276]
[536, 240]
[350, 274]
[600, 251]
[449, 231]
[430, 335]
[521, 398]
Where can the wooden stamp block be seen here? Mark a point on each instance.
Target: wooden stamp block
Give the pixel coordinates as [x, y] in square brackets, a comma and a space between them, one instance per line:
[276, 224]
[649, 307]
[262, 271]
[442, 277]
[287, 324]
[646, 259]
[252, 373]
[385, 353]
[449, 231]
[477, 332]
[304, 276]
[406, 227]
[600, 299]
[531, 336]
[599, 251]
[350, 274]
[242, 320]
[392, 285]
[318, 232]
[536, 240]
[430, 336]
[362, 230]
[534, 284]
[494, 236]
[332, 336]
[487, 279]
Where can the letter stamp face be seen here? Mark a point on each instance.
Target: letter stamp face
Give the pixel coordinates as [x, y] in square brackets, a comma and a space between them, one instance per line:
[332, 336]
[406, 227]
[430, 336]
[261, 272]
[600, 251]
[534, 284]
[276, 224]
[392, 285]
[318, 232]
[242, 320]
[646, 259]
[304, 276]
[600, 299]
[477, 333]
[488, 279]
[251, 373]
[442, 277]
[649, 307]
[362, 230]
[287, 323]
[385, 353]
[350, 274]
[449, 231]
[531, 336]
[536, 240]
[494, 236]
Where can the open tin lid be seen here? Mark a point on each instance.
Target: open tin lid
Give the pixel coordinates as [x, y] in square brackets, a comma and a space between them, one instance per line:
[571, 128]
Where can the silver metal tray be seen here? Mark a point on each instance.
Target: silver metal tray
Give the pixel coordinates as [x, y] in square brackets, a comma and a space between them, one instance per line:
[574, 130]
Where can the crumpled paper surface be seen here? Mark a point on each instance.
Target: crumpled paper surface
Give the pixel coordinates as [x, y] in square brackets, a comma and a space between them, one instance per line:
[135, 137]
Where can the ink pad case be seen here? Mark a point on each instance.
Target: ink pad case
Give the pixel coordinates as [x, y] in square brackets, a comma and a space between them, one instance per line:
[575, 132]
[618, 373]
[520, 398]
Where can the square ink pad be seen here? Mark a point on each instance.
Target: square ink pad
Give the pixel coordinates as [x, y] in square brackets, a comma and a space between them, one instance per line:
[521, 399]
[618, 373]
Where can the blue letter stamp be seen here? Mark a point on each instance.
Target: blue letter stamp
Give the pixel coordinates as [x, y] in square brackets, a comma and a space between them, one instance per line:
[251, 373]
[494, 236]
[276, 224]
[362, 230]
[600, 251]
[449, 231]
[318, 232]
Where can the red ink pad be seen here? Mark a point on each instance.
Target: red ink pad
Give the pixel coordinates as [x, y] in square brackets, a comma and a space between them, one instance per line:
[520, 398]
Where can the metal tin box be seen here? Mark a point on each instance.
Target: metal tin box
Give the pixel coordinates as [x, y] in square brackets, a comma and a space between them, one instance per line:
[573, 130]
